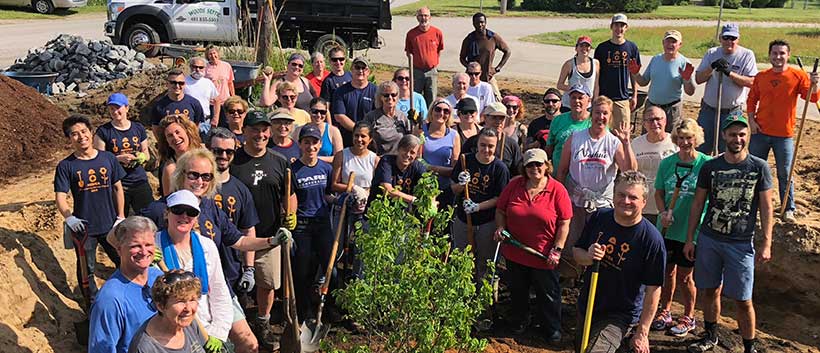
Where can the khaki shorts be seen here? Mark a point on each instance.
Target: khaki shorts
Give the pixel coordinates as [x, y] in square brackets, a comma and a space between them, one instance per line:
[620, 112]
[268, 265]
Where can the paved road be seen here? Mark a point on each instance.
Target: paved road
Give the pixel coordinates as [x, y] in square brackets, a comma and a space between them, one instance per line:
[529, 60]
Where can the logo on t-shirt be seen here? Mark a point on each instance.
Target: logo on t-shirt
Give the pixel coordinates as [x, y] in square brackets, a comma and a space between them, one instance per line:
[257, 176]
[615, 252]
[91, 182]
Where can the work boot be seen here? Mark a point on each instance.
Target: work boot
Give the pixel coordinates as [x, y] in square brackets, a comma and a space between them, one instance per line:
[262, 330]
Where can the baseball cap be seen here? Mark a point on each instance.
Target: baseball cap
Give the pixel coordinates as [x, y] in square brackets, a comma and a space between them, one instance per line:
[495, 108]
[360, 59]
[553, 90]
[256, 117]
[535, 155]
[619, 17]
[579, 88]
[673, 34]
[117, 99]
[467, 105]
[310, 130]
[735, 117]
[730, 29]
[583, 39]
[282, 114]
[184, 198]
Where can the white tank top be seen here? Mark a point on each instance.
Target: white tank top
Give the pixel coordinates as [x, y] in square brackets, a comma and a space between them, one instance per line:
[575, 78]
[592, 170]
[363, 167]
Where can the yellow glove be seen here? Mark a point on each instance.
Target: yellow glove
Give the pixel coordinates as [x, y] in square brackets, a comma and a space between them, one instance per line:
[290, 221]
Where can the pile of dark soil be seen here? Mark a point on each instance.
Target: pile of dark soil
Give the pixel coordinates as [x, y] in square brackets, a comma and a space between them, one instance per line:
[29, 129]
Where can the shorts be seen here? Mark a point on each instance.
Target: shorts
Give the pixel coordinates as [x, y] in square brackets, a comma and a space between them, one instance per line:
[674, 254]
[238, 313]
[620, 112]
[729, 263]
[268, 265]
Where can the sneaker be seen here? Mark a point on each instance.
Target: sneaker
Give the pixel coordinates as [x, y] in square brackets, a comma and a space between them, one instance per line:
[554, 338]
[262, 330]
[788, 217]
[705, 344]
[662, 320]
[684, 325]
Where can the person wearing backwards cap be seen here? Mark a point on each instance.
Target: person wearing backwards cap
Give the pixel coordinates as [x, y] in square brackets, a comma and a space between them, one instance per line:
[128, 141]
[667, 71]
[736, 184]
[739, 66]
[614, 55]
[580, 69]
[354, 99]
[565, 124]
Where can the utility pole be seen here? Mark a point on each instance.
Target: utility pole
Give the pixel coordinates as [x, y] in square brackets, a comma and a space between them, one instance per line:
[265, 14]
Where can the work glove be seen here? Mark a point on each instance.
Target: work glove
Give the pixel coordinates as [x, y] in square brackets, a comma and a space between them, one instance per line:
[157, 255]
[470, 206]
[722, 66]
[140, 159]
[247, 281]
[358, 202]
[554, 256]
[75, 224]
[282, 236]
[214, 345]
[633, 67]
[463, 178]
[686, 72]
[290, 221]
[413, 115]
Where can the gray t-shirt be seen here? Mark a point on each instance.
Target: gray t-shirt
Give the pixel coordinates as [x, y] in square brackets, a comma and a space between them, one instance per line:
[143, 343]
[741, 62]
[387, 131]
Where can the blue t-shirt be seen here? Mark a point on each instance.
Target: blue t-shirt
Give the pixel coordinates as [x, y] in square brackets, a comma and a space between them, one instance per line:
[332, 83]
[188, 107]
[418, 103]
[355, 103]
[119, 309]
[614, 76]
[387, 172]
[666, 79]
[486, 182]
[213, 224]
[121, 142]
[236, 201]
[290, 152]
[635, 257]
[734, 191]
[311, 184]
[91, 183]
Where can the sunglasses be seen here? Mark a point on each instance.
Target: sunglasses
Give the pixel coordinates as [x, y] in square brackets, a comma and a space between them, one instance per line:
[177, 83]
[318, 111]
[197, 67]
[442, 110]
[297, 65]
[338, 60]
[291, 97]
[281, 122]
[535, 164]
[179, 210]
[203, 176]
[551, 101]
[360, 68]
[219, 151]
[175, 276]
[390, 95]
[731, 38]
[466, 112]
[474, 73]
[402, 78]
[513, 107]
[236, 111]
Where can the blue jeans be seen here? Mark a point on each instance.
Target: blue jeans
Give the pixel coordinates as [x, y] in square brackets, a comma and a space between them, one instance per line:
[783, 148]
[706, 120]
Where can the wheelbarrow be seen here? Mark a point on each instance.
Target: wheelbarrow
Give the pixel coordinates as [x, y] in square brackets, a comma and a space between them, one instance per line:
[41, 81]
[245, 74]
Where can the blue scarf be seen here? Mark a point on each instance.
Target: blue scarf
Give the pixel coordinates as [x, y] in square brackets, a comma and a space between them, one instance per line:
[169, 255]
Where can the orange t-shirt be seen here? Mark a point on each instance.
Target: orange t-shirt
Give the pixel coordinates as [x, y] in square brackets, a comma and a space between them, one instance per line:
[425, 47]
[776, 93]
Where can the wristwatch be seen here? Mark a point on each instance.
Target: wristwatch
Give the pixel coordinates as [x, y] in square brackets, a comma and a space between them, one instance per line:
[558, 248]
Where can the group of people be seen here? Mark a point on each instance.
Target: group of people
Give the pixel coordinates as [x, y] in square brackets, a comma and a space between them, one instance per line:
[235, 183]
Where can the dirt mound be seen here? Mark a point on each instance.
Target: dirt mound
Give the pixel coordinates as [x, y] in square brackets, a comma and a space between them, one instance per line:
[29, 128]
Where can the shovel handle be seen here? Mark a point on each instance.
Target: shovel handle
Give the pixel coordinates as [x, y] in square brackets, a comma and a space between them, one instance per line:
[286, 201]
[785, 200]
[335, 247]
[470, 235]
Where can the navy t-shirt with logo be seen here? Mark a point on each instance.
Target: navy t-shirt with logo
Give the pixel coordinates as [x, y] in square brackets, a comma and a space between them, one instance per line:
[332, 83]
[355, 103]
[311, 185]
[291, 152]
[387, 172]
[121, 142]
[188, 107]
[236, 201]
[614, 73]
[635, 257]
[91, 183]
[486, 182]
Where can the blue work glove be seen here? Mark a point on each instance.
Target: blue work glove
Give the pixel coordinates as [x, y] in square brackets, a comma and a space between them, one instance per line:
[247, 281]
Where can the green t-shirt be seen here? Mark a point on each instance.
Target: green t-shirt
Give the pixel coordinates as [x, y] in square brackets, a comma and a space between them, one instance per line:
[666, 181]
[561, 129]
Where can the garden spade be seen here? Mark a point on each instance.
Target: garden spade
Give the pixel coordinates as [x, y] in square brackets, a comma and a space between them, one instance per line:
[291, 340]
[81, 327]
[314, 331]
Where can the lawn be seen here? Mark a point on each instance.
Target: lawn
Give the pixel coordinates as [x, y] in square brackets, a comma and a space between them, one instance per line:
[466, 8]
[26, 13]
[804, 41]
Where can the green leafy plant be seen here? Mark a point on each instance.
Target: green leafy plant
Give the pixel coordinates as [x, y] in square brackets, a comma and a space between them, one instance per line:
[416, 294]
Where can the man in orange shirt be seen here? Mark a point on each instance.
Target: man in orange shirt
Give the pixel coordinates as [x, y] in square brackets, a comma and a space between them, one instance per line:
[772, 106]
[425, 42]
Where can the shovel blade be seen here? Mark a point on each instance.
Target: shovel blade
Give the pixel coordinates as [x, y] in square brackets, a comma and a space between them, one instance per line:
[306, 337]
[319, 333]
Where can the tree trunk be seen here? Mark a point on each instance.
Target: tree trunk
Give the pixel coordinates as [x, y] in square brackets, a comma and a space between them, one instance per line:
[265, 14]
[503, 7]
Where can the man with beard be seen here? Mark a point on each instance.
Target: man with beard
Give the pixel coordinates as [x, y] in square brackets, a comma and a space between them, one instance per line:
[736, 184]
[202, 89]
[772, 108]
[263, 172]
[175, 102]
[539, 128]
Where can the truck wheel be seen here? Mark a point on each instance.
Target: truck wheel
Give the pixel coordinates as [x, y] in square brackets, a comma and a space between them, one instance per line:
[327, 42]
[42, 6]
[142, 33]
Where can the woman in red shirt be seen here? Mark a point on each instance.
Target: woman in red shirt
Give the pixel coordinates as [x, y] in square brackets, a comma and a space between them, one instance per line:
[540, 209]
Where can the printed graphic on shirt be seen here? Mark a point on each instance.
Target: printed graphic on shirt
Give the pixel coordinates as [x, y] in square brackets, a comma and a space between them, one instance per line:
[93, 180]
[125, 145]
[230, 201]
[616, 253]
[733, 196]
[617, 58]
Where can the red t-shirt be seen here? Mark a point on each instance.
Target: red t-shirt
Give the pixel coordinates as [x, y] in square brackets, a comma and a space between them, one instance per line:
[425, 47]
[533, 222]
[316, 82]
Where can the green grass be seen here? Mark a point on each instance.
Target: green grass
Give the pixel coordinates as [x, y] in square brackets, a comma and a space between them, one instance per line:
[26, 13]
[804, 41]
[466, 8]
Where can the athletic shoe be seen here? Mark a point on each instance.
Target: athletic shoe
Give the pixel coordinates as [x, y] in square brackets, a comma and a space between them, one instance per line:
[684, 325]
[788, 217]
[662, 320]
[705, 344]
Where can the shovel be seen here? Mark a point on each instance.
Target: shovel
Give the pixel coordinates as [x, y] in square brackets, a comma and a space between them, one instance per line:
[81, 327]
[291, 340]
[678, 184]
[313, 332]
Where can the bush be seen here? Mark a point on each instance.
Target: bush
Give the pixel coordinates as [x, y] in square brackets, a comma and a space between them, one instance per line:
[758, 4]
[600, 6]
[710, 2]
[510, 4]
[640, 6]
[777, 4]
[731, 4]
[675, 2]
[537, 5]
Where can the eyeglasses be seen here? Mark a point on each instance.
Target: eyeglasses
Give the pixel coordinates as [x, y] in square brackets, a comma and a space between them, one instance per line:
[236, 111]
[197, 67]
[297, 65]
[318, 111]
[513, 107]
[551, 101]
[338, 60]
[177, 83]
[442, 110]
[289, 97]
[390, 95]
[402, 78]
[535, 164]
[729, 38]
[219, 151]
[203, 176]
[174, 276]
[652, 120]
[179, 210]
[281, 122]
